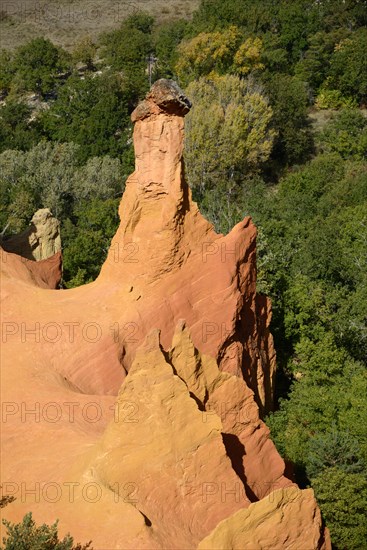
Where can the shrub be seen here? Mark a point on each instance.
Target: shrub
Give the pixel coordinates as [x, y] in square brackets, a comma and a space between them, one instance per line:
[27, 536]
[333, 99]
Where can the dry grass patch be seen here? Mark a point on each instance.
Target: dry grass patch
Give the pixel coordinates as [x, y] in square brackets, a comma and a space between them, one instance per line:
[66, 21]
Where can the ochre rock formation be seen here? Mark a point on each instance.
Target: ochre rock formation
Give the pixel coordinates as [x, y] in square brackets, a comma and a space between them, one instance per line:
[39, 241]
[34, 256]
[131, 405]
[163, 239]
[44, 273]
[287, 518]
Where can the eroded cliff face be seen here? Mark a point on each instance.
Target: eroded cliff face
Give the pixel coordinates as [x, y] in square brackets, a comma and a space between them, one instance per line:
[177, 265]
[139, 396]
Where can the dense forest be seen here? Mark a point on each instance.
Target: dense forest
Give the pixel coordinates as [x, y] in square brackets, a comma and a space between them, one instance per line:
[278, 131]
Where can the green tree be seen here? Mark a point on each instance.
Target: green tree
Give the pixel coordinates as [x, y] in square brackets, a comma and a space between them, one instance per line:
[317, 402]
[166, 38]
[346, 134]
[348, 66]
[296, 22]
[313, 67]
[86, 242]
[126, 50]
[291, 22]
[342, 498]
[17, 128]
[39, 178]
[334, 449]
[38, 65]
[226, 204]
[11, 169]
[349, 14]
[100, 177]
[50, 175]
[7, 71]
[291, 26]
[93, 113]
[207, 52]
[19, 212]
[289, 100]
[84, 52]
[254, 16]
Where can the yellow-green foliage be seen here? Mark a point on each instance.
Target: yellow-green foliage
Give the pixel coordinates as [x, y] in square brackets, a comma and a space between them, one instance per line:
[248, 55]
[220, 51]
[333, 99]
[227, 130]
[85, 51]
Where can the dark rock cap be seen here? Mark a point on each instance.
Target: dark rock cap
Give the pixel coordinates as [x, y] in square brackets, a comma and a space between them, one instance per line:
[167, 96]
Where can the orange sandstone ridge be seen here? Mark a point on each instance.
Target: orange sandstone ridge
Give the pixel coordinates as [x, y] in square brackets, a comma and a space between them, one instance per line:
[131, 406]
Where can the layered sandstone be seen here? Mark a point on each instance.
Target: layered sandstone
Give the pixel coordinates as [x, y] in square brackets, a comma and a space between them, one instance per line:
[139, 396]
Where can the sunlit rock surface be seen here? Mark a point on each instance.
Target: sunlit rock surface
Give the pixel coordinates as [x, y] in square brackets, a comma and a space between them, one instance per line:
[131, 406]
